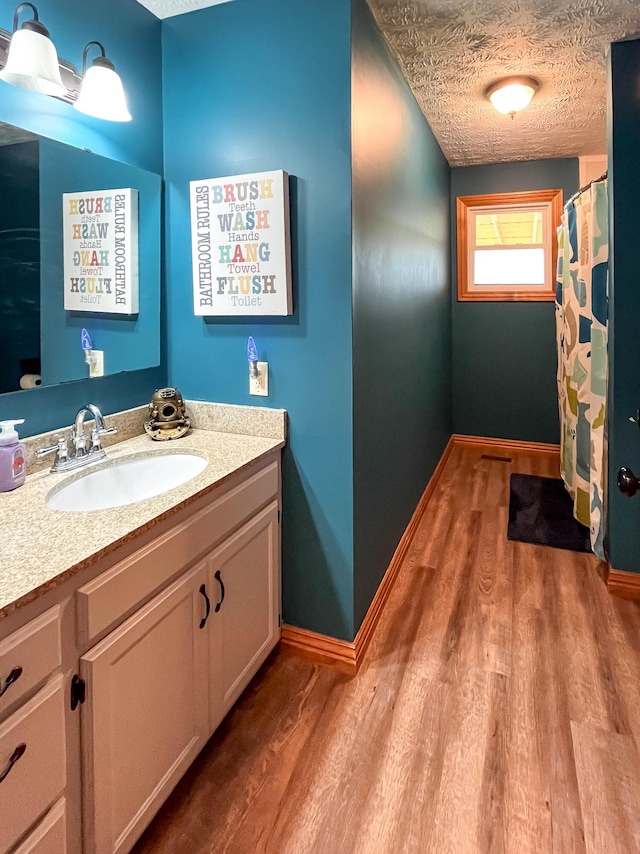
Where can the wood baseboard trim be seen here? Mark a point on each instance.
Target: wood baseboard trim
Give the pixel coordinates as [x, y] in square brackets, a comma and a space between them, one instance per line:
[506, 444]
[374, 612]
[626, 585]
[321, 648]
[348, 656]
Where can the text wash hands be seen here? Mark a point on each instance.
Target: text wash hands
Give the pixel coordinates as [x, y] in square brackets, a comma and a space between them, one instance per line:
[239, 223]
[90, 234]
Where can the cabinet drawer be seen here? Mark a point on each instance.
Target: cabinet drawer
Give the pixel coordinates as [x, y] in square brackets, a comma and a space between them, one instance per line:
[38, 777]
[103, 601]
[50, 836]
[29, 655]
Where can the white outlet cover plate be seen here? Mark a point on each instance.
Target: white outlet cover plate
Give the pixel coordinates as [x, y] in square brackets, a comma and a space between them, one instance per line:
[260, 385]
[97, 368]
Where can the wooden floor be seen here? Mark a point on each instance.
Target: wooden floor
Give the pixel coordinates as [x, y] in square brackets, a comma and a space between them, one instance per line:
[498, 710]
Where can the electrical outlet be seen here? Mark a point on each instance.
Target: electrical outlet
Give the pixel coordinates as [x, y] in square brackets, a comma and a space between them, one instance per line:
[96, 368]
[260, 385]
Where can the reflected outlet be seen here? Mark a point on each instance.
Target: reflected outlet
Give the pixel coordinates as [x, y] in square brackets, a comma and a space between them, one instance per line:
[260, 385]
[96, 368]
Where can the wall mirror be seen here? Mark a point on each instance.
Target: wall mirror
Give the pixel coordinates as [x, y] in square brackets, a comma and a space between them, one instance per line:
[38, 337]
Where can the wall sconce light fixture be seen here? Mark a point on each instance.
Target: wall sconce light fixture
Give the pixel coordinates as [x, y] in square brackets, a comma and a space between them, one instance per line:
[32, 61]
[101, 92]
[29, 60]
[512, 94]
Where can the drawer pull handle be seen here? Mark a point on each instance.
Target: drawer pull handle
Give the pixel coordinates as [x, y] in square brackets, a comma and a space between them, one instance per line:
[17, 753]
[203, 591]
[219, 580]
[15, 674]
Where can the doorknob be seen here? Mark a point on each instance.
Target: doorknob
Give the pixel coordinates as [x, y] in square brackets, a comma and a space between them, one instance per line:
[628, 483]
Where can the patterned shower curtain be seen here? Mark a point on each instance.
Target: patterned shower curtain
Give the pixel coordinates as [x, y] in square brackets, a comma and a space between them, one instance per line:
[581, 326]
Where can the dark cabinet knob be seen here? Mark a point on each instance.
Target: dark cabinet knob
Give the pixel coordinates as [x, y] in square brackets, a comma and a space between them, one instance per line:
[218, 578]
[207, 601]
[17, 753]
[628, 483]
[15, 674]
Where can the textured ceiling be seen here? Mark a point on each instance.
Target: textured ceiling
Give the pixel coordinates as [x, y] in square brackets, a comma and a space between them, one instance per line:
[451, 50]
[168, 8]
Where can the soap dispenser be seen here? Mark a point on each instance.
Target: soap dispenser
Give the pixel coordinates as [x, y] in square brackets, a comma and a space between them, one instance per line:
[13, 457]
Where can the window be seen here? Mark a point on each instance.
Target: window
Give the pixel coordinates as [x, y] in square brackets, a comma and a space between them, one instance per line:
[507, 246]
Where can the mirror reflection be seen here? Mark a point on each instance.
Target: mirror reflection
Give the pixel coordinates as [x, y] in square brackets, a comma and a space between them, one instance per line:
[40, 341]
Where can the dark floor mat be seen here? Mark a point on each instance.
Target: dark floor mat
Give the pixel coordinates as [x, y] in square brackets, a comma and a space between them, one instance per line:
[541, 511]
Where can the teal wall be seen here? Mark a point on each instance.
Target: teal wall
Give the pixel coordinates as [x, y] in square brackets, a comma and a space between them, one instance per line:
[624, 301]
[364, 365]
[504, 354]
[132, 39]
[249, 86]
[401, 305]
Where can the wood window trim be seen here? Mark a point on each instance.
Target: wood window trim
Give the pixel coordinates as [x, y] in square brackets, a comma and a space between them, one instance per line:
[464, 203]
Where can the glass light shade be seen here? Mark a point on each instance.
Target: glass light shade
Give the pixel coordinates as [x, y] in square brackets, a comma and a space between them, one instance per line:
[511, 95]
[32, 64]
[102, 95]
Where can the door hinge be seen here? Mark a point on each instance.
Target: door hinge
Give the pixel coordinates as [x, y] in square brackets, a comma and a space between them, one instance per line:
[278, 514]
[279, 619]
[78, 691]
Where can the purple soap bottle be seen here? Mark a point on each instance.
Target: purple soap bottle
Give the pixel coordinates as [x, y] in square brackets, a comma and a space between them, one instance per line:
[13, 457]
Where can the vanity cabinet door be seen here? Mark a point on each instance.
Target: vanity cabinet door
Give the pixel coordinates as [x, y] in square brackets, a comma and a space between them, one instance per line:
[244, 585]
[146, 713]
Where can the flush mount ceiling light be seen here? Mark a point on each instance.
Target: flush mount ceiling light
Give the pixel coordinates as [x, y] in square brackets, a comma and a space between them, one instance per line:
[101, 94]
[512, 94]
[32, 62]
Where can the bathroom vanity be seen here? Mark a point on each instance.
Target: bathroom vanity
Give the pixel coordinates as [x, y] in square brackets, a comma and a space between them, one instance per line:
[134, 630]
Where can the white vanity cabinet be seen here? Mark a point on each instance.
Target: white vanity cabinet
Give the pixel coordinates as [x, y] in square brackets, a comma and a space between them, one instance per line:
[243, 573]
[159, 683]
[50, 836]
[33, 752]
[145, 718]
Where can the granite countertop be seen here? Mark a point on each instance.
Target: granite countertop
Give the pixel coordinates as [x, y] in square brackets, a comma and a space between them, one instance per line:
[40, 548]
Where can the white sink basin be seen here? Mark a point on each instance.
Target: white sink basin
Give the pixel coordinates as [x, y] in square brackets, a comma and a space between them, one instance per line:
[126, 481]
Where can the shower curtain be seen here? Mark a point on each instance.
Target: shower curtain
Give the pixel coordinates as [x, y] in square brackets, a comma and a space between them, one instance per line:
[581, 326]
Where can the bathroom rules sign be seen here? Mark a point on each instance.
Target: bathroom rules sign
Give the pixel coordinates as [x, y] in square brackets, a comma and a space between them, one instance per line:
[100, 236]
[240, 245]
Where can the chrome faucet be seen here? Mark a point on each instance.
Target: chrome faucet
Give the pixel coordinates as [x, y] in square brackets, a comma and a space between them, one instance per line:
[100, 429]
[80, 455]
